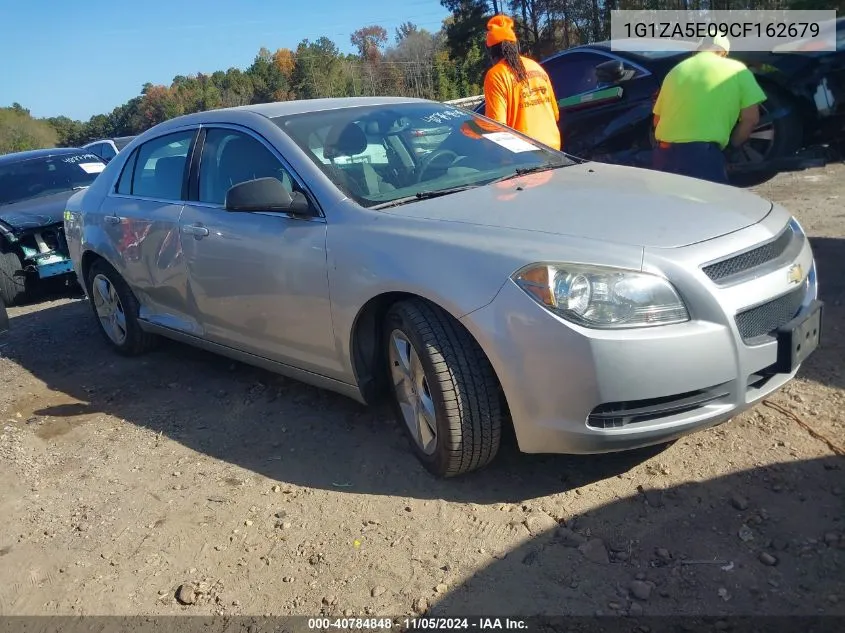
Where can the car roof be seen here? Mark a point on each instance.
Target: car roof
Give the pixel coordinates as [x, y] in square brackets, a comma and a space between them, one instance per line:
[301, 106]
[631, 48]
[287, 108]
[15, 157]
[115, 139]
[241, 114]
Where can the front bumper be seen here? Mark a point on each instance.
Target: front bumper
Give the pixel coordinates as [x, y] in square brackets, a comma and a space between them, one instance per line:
[575, 390]
[44, 251]
[53, 264]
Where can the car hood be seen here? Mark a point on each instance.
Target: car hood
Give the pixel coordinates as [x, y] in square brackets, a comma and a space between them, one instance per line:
[604, 202]
[34, 213]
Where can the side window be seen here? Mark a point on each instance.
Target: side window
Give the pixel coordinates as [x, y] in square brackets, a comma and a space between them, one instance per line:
[575, 73]
[124, 183]
[96, 148]
[107, 151]
[229, 158]
[159, 170]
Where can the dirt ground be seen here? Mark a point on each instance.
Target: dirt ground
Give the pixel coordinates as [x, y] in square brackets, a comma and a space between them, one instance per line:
[184, 483]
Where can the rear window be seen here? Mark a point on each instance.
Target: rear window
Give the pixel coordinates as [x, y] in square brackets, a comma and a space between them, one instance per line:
[43, 176]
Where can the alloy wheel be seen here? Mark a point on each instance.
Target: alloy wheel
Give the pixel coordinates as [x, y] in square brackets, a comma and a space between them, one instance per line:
[759, 145]
[109, 309]
[412, 392]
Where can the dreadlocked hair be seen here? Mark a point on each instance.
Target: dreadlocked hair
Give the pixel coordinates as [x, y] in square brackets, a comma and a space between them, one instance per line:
[510, 52]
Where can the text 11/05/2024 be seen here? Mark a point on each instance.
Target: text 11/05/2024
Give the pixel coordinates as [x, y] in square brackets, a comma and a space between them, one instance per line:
[416, 624]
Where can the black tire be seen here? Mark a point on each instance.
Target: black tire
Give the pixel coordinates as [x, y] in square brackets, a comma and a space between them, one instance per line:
[460, 382]
[13, 288]
[788, 139]
[136, 341]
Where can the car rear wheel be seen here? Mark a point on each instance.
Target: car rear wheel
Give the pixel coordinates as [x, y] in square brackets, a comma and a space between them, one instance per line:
[777, 136]
[12, 275]
[116, 310]
[444, 390]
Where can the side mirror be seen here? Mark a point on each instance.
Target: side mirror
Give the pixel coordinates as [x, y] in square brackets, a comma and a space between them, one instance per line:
[610, 71]
[266, 194]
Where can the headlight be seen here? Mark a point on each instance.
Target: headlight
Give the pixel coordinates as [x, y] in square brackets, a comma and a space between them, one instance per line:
[604, 298]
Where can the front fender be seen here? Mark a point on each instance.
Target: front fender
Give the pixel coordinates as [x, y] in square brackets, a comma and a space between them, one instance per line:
[459, 267]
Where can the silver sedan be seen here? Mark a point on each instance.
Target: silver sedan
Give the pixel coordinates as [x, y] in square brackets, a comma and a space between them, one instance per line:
[489, 282]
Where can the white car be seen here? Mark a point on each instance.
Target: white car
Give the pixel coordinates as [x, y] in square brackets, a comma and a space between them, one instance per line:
[108, 148]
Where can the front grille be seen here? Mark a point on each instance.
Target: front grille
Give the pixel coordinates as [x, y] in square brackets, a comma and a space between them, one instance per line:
[619, 414]
[750, 259]
[764, 319]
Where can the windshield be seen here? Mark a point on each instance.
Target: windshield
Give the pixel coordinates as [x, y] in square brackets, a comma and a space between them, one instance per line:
[37, 177]
[380, 154]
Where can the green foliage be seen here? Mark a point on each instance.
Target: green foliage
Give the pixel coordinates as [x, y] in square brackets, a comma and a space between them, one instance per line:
[467, 28]
[20, 132]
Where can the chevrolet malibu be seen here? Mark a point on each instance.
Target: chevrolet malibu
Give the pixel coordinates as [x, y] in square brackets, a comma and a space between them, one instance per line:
[491, 281]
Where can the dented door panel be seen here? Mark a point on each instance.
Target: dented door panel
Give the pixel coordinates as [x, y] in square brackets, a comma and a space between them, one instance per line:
[144, 235]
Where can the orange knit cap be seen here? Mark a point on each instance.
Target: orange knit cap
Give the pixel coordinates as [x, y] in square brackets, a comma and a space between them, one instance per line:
[500, 29]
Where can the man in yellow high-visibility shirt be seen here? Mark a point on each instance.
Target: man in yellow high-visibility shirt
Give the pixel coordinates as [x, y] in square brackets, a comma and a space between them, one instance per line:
[706, 103]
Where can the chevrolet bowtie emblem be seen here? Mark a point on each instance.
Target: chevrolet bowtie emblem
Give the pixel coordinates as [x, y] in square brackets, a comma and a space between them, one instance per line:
[795, 274]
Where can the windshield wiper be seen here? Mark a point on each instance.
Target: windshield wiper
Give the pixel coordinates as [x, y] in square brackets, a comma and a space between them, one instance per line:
[423, 195]
[522, 171]
[80, 187]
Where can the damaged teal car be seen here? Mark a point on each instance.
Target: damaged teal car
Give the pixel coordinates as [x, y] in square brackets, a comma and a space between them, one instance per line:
[34, 187]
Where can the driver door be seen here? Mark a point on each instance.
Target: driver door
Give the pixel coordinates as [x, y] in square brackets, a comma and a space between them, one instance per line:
[258, 279]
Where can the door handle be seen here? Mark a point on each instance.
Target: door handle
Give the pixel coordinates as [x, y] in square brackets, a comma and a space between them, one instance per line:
[196, 230]
[112, 219]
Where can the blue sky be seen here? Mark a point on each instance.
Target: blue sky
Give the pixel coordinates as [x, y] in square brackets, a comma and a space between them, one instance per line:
[87, 57]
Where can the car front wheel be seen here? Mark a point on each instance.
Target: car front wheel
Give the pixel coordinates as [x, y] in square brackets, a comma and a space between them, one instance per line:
[13, 287]
[444, 390]
[116, 310]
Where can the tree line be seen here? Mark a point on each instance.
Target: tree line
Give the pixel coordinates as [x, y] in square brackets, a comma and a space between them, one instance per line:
[443, 65]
